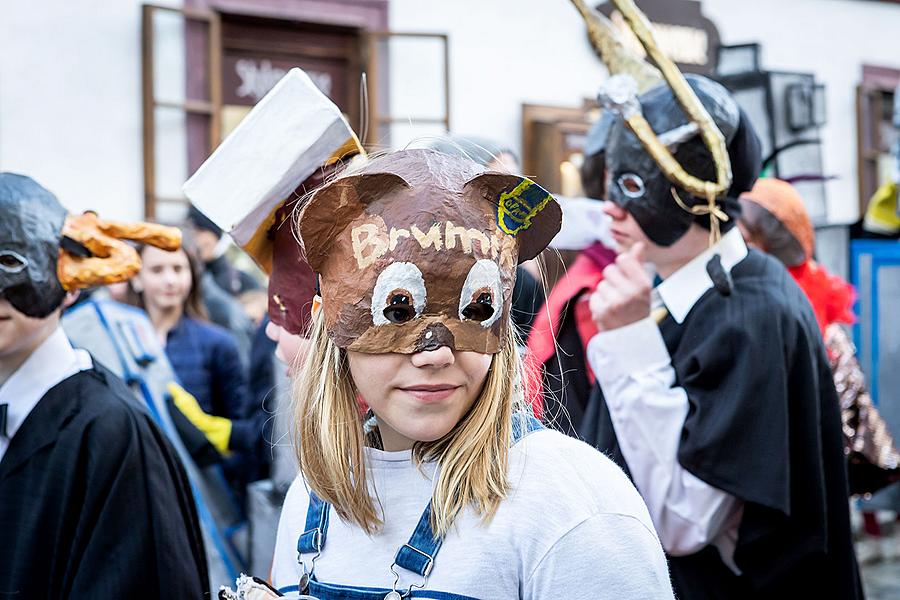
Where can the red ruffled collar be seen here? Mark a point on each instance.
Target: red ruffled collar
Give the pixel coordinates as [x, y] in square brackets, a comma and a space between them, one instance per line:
[831, 297]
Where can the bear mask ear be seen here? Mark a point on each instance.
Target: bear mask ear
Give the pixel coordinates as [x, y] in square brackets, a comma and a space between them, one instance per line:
[524, 209]
[335, 205]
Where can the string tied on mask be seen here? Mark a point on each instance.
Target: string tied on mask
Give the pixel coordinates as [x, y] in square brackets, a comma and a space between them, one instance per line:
[720, 277]
[715, 212]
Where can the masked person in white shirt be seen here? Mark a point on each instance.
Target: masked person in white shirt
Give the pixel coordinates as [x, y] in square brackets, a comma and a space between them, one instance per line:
[713, 387]
[93, 500]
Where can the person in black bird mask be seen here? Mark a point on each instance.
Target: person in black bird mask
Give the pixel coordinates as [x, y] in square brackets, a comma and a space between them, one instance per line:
[93, 500]
[713, 386]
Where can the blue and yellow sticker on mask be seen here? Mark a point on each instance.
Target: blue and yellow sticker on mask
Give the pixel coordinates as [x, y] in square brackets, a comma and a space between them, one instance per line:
[517, 207]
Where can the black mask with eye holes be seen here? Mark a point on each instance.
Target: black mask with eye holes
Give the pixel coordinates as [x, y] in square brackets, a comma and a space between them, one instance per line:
[31, 222]
[635, 182]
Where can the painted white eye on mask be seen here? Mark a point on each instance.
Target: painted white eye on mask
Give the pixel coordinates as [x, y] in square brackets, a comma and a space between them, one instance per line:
[399, 294]
[481, 299]
[631, 185]
[12, 262]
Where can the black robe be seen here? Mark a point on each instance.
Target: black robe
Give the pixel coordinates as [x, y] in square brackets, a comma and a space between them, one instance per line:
[763, 425]
[566, 384]
[94, 502]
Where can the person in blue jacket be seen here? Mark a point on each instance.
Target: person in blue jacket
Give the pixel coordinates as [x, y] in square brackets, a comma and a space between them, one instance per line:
[204, 356]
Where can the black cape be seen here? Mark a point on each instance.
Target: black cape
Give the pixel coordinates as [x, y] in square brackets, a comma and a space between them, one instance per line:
[94, 502]
[527, 299]
[567, 388]
[763, 425]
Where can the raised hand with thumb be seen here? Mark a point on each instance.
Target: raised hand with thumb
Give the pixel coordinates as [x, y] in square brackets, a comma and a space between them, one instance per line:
[623, 296]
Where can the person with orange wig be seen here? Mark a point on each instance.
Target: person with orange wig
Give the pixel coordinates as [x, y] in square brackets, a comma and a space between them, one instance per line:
[775, 220]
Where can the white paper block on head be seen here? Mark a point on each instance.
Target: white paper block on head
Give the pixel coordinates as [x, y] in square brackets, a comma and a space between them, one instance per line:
[583, 223]
[294, 130]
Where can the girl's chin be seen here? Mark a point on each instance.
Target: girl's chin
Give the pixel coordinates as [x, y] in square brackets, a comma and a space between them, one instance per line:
[168, 303]
[428, 433]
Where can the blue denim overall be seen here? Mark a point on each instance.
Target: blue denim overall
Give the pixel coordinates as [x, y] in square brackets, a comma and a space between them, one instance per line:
[417, 555]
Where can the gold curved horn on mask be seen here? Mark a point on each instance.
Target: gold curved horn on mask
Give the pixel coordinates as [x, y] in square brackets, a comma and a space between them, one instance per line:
[111, 260]
[621, 95]
[608, 44]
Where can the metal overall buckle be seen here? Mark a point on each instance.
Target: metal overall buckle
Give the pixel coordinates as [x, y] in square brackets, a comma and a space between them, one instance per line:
[395, 594]
[303, 584]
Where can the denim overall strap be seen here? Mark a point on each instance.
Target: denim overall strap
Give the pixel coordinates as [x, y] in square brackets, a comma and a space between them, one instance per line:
[313, 538]
[417, 555]
[522, 425]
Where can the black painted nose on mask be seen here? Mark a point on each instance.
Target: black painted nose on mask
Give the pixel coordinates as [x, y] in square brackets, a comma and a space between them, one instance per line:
[434, 337]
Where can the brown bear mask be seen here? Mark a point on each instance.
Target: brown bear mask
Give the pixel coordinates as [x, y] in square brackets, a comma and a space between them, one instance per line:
[418, 250]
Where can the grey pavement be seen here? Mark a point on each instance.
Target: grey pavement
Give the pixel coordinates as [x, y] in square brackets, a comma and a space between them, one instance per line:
[881, 576]
[881, 580]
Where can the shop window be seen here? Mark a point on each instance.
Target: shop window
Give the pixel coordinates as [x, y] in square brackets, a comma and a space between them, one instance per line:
[875, 131]
[181, 102]
[258, 51]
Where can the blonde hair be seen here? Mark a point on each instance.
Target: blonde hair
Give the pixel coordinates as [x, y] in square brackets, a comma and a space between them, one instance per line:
[330, 441]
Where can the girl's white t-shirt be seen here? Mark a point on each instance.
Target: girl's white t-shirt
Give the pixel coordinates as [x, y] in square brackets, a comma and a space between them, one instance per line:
[573, 526]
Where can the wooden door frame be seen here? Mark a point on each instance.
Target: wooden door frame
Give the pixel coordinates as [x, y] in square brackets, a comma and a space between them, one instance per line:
[371, 15]
[206, 135]
[875, 80]
[364, 15]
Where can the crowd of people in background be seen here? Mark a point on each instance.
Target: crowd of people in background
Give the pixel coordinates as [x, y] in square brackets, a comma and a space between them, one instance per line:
[207, 319]
[210, 317]
[689, 417]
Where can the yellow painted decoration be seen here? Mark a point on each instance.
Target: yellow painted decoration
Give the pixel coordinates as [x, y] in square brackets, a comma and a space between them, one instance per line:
[517, 208]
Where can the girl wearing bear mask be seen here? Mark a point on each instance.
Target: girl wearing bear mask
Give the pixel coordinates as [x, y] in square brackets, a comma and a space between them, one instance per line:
[447, 487]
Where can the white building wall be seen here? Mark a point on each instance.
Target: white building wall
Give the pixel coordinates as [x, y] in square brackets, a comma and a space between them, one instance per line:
[70, 100]
[503, 53]
[70, 79]
[506, 52]
[832, 39]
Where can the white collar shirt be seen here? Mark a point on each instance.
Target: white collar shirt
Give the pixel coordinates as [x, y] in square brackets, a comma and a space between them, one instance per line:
[682, 289]
[51, 363]
[648, 410]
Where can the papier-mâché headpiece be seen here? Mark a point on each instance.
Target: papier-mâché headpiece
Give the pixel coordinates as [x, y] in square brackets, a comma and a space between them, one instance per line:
[418, 250]
[250, 186]
[677, 148]
[45, 252]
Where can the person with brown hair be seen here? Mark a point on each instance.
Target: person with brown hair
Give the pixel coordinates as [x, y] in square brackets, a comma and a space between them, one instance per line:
[165, 288]
[204, 356]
